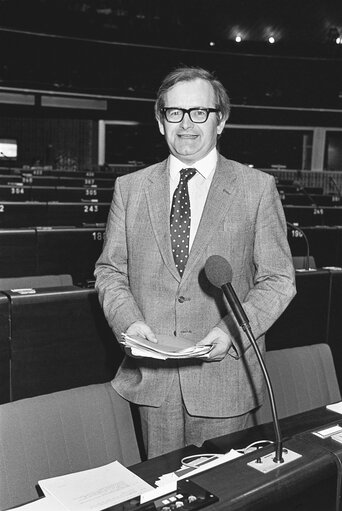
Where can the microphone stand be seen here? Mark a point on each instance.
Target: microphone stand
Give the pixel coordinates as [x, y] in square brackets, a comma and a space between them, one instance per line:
[337, 188]
[298, 229]
[243, 321]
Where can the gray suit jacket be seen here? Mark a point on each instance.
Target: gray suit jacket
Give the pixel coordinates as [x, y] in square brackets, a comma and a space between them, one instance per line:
[136, 279]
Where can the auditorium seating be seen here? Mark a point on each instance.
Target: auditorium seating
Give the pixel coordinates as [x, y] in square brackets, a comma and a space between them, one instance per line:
[51, 250]
[302, 377]
[60, 433]
[59, 339]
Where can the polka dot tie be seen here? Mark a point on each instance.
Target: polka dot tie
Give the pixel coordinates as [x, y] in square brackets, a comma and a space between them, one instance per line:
[180, 219]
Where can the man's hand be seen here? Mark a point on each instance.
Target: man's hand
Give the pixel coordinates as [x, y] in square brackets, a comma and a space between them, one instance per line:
[140, 328]
[220, 341]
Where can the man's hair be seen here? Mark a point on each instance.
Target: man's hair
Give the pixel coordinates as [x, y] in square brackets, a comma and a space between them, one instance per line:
[188, 74]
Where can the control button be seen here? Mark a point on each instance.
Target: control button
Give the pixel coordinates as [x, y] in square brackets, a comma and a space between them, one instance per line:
[179, 504]
[192, 498]
[181, 299]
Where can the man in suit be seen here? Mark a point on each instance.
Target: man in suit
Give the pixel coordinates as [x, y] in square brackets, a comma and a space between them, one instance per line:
[147, 288]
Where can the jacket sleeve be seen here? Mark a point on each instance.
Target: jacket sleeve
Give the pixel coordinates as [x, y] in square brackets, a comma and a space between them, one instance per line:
[112, 284]
[274, 277]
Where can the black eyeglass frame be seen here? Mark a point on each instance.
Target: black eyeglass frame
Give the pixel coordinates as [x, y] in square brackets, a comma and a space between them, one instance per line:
[188, 111]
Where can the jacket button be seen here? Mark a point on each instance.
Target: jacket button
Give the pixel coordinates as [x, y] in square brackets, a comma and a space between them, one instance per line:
[181, 299]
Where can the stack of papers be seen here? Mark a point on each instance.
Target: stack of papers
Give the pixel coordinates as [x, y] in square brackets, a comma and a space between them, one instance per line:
[95, 489]
[167, 347]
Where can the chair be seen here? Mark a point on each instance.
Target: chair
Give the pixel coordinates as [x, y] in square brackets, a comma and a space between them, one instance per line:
[35, 281]
[60, 433]
[303, 378]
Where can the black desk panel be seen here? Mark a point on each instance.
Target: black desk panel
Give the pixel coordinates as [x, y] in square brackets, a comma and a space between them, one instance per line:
[18, 252]
[77, 214]
[306, 319]
[60, 340]
[73, 194]
[22, 214]
[69, 250]
[305, 215]
[4, 349]
[15, 193]
[43, 193]
[300, 199]
[325, 244]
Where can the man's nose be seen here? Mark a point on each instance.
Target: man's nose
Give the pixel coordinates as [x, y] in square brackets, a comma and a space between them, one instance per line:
[186, 121]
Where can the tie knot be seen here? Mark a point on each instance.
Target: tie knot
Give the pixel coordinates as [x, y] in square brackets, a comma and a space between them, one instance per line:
[186, 174]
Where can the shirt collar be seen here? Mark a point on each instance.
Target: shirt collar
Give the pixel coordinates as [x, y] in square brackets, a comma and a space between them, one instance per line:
[204, 166]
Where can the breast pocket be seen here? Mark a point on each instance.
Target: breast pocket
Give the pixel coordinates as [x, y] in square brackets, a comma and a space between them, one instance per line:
[233, 241]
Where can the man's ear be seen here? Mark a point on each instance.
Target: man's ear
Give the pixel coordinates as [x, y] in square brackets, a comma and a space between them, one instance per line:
[221, 124]
[161, 126]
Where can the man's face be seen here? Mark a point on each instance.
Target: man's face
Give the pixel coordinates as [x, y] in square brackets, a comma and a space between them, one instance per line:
[187, 140]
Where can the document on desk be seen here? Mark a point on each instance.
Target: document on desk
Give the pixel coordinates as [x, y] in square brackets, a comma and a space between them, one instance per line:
[335, 407]
[45, 504]
[95, 489]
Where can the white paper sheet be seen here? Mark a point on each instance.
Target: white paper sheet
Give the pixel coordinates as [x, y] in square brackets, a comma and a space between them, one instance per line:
[45, 504]
[95, 489]
[335, 407]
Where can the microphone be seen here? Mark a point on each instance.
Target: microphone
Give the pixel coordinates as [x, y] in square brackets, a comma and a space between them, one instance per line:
[220, 273]
[337, 188]
[301, 188]
[298, 229]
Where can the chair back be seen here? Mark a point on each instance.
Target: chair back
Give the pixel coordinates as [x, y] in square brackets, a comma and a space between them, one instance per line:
[302, 378]
[35, 281]
[60, 433]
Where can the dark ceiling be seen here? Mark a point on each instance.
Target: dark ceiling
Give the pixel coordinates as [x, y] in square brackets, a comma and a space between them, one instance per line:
[300, 27]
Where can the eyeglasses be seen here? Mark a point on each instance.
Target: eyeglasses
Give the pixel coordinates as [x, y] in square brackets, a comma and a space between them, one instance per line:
[197, 115]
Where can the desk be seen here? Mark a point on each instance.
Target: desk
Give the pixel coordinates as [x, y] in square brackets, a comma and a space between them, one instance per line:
[18, 252]
[71, 250]
[306, 484]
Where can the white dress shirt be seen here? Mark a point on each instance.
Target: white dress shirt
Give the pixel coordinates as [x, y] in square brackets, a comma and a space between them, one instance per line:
[198, 186]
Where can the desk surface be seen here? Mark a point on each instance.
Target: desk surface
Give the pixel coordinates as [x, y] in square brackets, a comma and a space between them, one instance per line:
[308, 483]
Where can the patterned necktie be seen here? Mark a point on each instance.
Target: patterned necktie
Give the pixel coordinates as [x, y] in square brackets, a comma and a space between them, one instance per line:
[180, 219]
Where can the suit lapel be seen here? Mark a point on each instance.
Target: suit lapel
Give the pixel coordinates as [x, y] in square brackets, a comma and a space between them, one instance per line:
[158, 200]
[217, 205]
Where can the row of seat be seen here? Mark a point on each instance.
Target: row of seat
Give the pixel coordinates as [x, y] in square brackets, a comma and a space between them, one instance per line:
[303, 379]
[51, 180]
[25, 193]
[103, 192]
[53, 338]
[28, 214]
[74, 250]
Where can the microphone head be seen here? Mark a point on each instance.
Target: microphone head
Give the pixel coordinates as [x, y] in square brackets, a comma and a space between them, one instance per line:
[218, 270]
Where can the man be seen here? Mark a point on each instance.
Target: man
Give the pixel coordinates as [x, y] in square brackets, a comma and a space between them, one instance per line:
[148, 286]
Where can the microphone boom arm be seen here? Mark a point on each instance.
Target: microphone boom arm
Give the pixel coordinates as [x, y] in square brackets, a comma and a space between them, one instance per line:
[243, 321]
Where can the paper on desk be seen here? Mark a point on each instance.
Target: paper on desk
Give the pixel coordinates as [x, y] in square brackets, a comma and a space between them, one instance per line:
[95, 489]
[45, 504]
[335, 407]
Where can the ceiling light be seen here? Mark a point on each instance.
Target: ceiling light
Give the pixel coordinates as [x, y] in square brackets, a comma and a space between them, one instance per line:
[271, 39]
[238, 39]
